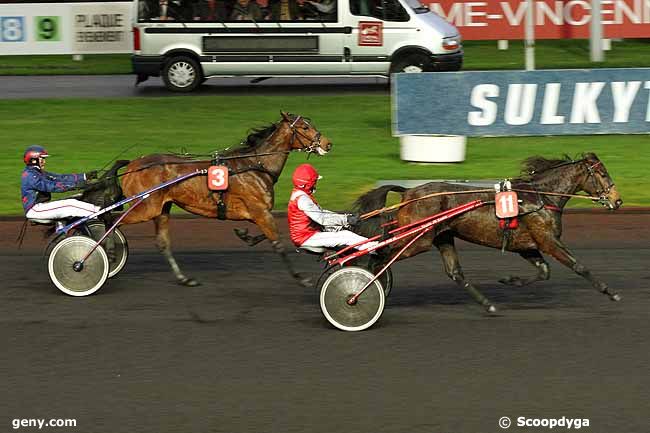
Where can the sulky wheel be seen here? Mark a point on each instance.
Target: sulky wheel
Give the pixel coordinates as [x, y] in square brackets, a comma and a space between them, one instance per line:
[339, 287]
[69, 274]
[115, 246]
[386, 279]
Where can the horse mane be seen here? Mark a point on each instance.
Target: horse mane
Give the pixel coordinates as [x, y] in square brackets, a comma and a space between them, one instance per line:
[253, 141]
[534, 165]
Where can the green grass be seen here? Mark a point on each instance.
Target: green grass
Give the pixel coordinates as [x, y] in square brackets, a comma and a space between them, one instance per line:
[555, 54]
[92, 64]
[83, 134]
[479, 55]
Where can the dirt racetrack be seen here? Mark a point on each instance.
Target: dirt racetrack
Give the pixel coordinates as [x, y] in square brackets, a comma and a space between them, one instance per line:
[249, 351]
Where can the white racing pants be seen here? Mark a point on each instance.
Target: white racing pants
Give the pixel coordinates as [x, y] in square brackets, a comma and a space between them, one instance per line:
[337, 239]
[60, 209]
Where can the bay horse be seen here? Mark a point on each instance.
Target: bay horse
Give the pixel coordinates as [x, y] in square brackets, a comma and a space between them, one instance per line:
[540, 219]
[254, 168]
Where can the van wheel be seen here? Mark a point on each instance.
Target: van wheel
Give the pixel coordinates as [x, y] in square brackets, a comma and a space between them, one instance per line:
[182, 74]
[412, 63]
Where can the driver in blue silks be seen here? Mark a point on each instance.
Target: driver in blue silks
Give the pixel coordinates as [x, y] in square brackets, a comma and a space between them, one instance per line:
[37, 184]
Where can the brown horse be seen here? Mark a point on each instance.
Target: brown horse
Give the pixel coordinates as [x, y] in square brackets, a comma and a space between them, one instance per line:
[254, 168]
[540, 218]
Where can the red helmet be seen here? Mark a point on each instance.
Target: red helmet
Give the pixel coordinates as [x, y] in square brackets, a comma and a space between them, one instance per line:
[32, 153]
[305, 177]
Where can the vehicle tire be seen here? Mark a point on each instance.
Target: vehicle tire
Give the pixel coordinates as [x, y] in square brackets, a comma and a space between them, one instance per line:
[374, 264]
[339, 287]
[412, 63]
[77, 282]
[182, 74]
[117, 258]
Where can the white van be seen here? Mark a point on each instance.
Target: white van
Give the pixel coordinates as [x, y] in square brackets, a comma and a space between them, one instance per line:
[188, 41]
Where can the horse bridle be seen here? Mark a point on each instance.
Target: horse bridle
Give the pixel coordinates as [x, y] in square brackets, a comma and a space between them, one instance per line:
[313, 143]
[602, 189]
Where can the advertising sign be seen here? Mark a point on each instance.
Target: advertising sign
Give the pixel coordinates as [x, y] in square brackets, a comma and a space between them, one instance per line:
[65, 28]
[554, 19]
[371, 33]
[596, 101]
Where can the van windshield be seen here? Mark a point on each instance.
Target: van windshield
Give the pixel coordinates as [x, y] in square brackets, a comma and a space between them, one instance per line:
[417, 6]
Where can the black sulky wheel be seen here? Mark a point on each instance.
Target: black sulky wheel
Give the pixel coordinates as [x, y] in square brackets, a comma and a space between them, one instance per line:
[115, 246]
[386, 279]
[71, 277]
[337, 290]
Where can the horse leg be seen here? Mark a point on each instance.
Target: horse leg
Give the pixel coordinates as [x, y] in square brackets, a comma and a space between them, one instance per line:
[535, 258]
[163, 242]
[445, 244]
[266, 223]
[249, 239]
[561, 253]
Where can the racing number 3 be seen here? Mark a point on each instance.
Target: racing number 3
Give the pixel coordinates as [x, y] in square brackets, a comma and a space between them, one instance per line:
[506, 204]
[218, 178]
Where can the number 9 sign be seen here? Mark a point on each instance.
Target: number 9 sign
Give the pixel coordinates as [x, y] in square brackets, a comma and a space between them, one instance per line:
[217, 178]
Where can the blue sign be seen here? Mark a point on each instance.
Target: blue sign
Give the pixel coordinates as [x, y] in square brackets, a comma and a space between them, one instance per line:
[12, 29]
[557, 102]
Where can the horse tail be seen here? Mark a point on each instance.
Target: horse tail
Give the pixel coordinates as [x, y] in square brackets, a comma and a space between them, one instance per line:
[107, 189]
[372, 200]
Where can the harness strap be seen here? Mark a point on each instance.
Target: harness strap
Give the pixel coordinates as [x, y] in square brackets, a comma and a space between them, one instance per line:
[553, 208]
[221, 204]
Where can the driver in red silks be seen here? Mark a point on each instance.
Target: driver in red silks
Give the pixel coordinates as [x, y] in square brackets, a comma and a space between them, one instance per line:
[312, 226]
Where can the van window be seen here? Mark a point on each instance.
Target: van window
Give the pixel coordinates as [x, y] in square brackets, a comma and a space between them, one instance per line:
[230, 11]
[387, 10]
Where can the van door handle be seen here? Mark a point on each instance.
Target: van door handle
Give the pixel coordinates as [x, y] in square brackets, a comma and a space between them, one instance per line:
[347, 30]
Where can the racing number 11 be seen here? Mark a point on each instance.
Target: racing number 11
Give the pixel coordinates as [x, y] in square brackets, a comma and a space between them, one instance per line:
[506, 204]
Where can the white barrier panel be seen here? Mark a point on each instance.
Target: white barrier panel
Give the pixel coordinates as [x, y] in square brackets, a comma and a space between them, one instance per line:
[65, 28]
[433, 148]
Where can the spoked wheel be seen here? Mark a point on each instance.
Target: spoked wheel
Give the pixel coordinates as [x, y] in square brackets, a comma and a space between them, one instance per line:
[69, 274]
[115, 246]
[340, 287]
[386, 279]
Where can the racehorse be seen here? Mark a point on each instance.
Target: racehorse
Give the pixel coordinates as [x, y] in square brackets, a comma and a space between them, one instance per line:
[253, 168]
[540, 218]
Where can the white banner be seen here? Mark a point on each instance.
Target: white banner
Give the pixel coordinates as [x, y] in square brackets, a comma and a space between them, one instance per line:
[68, 28]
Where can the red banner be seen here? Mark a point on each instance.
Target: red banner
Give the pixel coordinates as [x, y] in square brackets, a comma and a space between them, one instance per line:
[554, 19]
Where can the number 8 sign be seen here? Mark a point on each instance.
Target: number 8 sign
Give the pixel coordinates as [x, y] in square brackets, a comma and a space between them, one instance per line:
[506, 204]
[218, 177]
[12, 29]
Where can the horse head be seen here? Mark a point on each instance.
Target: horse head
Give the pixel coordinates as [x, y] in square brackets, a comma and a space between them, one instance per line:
[304, 136]
[599, 184]
[106, 190]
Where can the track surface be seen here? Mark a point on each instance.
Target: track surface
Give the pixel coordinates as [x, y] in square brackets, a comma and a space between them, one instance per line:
[248, 351]
[97, 86]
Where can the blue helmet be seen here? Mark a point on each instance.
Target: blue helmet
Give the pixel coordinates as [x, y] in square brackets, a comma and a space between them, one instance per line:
[32, 153]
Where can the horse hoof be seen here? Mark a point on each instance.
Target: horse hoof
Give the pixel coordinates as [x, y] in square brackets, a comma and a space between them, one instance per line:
[189, 282]
[512, 281]
[306, 282]
[491, 309]
[615, 297]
